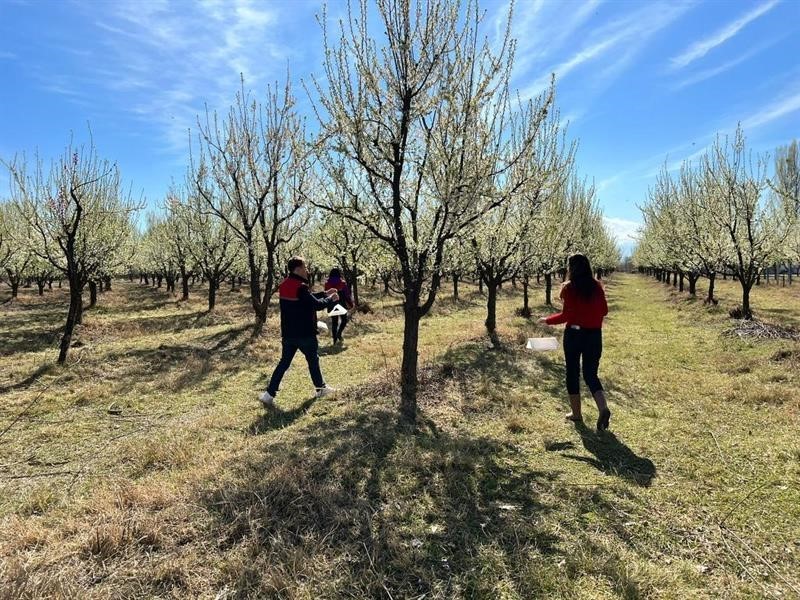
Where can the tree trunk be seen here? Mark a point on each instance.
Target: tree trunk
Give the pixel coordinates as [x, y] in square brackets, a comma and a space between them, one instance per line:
[680, 282]
[146, 279]
[491, 311]
[693, 277]
[79, 308]
[548, 289]
[480, 284]
[184, 285]
[455, 286]
[408, 369]
[255, 292]
[40, 285]
[100, 287]
[746, 313]
[354, 289]
[75, 304]
[50, 284]
[14, 288]
[526, 310]
[711, 280]
[212, 294]
[108, 282]
[92, 293]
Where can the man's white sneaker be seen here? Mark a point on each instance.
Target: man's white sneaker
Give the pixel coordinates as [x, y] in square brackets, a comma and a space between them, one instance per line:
[267, 399]
[326, 391]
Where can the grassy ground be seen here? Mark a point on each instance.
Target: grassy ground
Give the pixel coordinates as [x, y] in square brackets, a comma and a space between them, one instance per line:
[147, 469]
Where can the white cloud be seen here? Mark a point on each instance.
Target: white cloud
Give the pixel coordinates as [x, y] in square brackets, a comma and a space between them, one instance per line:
[785, 106]
[709, 73]
[611, 48]
[704, 46]
[623, 230]
[162, 62]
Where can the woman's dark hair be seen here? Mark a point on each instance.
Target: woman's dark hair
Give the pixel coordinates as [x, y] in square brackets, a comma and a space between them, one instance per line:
[335, 272]
[579, 273]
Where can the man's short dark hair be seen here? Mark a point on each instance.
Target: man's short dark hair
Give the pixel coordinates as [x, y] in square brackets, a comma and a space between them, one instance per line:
[294, 262]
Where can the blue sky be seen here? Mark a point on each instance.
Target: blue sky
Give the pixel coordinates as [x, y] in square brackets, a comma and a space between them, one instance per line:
[640, 82]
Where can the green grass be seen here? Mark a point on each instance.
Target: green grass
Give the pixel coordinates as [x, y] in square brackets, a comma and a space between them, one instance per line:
[147, 469]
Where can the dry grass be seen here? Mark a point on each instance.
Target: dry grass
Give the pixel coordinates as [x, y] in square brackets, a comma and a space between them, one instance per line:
[146, 468]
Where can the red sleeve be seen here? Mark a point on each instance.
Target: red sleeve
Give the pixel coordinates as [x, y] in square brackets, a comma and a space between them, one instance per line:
[560, 317]
[603, 302]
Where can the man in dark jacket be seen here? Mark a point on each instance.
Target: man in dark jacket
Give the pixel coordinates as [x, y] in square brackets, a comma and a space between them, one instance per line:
[299, 328]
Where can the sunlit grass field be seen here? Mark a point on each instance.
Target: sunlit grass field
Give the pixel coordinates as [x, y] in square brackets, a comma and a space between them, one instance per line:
[147, 468]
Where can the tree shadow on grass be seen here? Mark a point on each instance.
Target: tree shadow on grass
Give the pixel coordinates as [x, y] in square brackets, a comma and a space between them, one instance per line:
[35, 339]
[471, 362]
[187, 365]
[30, 379]
[277, 418]
[614, 457]
[353, 506]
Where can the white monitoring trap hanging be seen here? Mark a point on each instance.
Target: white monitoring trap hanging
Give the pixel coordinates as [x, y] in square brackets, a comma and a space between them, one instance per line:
[542, 344]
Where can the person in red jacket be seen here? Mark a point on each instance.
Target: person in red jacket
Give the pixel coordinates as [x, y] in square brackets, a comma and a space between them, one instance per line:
[583, 311]
[299, 328]
[335, 282]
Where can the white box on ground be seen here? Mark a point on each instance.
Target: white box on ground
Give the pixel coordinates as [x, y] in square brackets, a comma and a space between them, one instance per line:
[337, 311]
[542, 344]
[322, 327]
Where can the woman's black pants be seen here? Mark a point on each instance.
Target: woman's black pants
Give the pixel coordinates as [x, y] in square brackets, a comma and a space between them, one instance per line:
[583, 346]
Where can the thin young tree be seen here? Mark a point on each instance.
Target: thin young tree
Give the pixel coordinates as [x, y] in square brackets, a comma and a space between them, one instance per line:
[786, 183]
[17, 257]
[499, 237]
[80, 216]
[734, 186]
[251, 170]
[411, 132]
[213, 248]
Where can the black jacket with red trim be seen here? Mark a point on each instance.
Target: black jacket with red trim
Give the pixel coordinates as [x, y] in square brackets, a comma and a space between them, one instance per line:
[299, 307]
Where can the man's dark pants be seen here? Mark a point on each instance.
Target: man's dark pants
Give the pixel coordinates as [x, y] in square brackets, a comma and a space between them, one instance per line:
[309, 346]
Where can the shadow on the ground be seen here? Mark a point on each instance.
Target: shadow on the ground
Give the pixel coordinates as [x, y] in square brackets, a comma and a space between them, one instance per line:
[412, 513]
[613, 457]
[31, 339]
[29, 380]
[468, 364]
[275, 417]
[187, 365]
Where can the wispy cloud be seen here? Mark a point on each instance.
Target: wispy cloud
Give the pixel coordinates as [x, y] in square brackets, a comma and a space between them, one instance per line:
[777, 110]
[709, 73]
[620, 42]
[537, 16]
[163, 63]
[702, 47]
[7, 55]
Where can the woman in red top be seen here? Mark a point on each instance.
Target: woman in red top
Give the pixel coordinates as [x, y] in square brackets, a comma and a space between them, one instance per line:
[336, 282]
[584, 308]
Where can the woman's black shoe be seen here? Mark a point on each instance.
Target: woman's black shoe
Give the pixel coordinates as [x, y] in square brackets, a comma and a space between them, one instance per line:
[603, 419]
